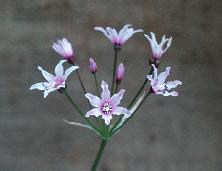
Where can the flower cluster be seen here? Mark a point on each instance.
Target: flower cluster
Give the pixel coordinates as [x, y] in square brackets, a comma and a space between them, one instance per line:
[105, 107]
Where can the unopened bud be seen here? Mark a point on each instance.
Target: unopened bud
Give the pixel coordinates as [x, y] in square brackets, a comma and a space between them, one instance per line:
[92, 65]
[120, 72]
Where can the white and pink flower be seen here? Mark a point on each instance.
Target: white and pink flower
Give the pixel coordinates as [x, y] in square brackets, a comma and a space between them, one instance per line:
[158, 84]
[106, 106]
[64, 48]
[158, 49]
[118, 39]
[53, 82]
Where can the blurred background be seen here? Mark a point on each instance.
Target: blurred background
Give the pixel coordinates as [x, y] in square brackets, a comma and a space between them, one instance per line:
[167, 134]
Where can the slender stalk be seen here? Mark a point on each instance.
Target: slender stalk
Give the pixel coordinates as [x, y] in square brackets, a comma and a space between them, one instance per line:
[96, 82]
[114, 69]
[80, 112]
[113, 132]
[116, 88]
[134, 99]
[99, 155]
[80, 81]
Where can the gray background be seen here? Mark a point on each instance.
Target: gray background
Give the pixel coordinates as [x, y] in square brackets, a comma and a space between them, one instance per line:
[167, 134]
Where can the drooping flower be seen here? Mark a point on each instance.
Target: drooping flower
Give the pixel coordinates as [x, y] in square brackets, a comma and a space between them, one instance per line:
[158, 49]
[92, 65]
[120, 72]
[158, 84]
[118, 39]
[106, 106]
[53, 82]
[64, 48]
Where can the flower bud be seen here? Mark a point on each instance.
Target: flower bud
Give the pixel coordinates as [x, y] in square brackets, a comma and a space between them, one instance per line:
[92, 65]
[119, 72]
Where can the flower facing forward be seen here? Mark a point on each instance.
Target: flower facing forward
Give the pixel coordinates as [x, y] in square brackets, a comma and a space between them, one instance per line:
[158, 49]
[158, 84]
[118, 39]
[64, 48]
[106, 106]
[53, 82]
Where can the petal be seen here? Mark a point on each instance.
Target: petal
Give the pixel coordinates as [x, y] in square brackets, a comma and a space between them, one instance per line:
[154, 71]
[105, 93]
[173, 93]
[103, 31]
[163, 41]
[107, 118]
[168, 44]
[69, 71]
[173, 84]
[128, 34]
[94, 100]
[122, 31]
[149, 77]
[152, 41]
[120, 110]
[39, 86]
[59, 68]
[113, 35]
[95, 112]
[49, 77]
[46, 92]
[116, 98]
[163, 75]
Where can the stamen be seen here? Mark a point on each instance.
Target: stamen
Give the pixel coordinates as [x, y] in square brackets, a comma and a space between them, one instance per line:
[106, 108]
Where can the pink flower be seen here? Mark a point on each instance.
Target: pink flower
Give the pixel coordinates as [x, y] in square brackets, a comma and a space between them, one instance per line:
[158, 49]
[92, 65]
[106, 106]
[53, 82]
[120, 72]
[118, 39]
[158, 83]
[64, 48]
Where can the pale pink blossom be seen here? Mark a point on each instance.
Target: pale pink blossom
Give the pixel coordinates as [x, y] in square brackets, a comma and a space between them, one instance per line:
[120, 72]
[106, 106]
[92, 65]
[53, 82]
[64, 48]
[158, 84]
[118, 39]
[158, 49]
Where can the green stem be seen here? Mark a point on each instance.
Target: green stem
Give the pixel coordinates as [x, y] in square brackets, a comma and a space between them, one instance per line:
[80, 112]
[114, 70]
[116, 88]
[141, 103]
[134, 99]
[81, 83]
[99, 155]
[96, 81]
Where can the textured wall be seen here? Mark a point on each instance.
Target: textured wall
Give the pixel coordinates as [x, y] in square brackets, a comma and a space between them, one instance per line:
[167, 134]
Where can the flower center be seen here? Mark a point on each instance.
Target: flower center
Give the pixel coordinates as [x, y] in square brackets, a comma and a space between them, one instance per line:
[58, 81]
[106, 108]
